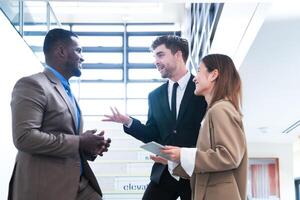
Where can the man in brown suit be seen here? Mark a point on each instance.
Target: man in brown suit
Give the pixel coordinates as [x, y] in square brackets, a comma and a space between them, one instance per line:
[51, 163]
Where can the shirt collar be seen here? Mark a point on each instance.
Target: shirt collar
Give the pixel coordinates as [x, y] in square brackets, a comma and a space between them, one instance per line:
[60, 77]
[183, 81]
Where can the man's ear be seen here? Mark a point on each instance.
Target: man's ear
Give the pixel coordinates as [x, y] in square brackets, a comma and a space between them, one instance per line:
[60, 51]
[178, 54]
[214, 75]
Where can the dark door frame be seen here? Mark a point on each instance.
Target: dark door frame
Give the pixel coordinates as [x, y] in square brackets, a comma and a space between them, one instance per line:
[297, 188]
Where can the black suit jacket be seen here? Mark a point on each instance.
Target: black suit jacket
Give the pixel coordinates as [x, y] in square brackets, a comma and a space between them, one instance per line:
[162, 128]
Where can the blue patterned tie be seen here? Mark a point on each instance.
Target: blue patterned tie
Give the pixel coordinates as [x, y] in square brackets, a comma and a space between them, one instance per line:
[75, 107]
[77, 115]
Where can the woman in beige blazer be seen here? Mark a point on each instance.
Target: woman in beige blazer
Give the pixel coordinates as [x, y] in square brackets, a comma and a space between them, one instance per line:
[217, 166]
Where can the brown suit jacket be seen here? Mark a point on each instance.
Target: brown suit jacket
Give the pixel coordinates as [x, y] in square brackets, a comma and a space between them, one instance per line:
[221, 159]
[48, 160]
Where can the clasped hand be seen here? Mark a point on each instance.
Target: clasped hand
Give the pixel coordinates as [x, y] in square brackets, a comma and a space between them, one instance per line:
[94, 144]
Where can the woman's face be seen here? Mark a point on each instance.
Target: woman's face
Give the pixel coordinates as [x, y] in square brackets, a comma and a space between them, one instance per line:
[203, 81]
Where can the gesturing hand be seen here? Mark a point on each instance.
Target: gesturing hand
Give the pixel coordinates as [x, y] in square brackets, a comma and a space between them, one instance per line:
[117, 117]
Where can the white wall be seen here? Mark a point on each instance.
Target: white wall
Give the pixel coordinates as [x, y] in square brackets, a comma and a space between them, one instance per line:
[17, 60]
[284, 153]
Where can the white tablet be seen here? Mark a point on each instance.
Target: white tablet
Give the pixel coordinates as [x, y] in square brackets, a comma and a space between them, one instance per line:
[155, 148]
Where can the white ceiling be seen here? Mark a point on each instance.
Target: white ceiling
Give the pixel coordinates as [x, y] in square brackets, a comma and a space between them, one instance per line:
[119, 11]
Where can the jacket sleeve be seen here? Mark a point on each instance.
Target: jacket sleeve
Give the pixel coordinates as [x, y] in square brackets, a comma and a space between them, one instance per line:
[28, 106]
[145, 132]
[179, 171]
[229, 139]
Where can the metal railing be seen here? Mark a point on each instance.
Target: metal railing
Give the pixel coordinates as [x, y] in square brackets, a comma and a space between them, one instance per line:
[202, 20]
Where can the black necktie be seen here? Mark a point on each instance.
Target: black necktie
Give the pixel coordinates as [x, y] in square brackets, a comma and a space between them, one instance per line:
[173, 100]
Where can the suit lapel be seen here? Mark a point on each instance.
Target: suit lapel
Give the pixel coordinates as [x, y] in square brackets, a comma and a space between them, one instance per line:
[189, 92]
[61, 90]
[165, 102]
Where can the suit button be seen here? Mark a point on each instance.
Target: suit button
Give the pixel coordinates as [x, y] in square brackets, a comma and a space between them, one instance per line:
[174, 131]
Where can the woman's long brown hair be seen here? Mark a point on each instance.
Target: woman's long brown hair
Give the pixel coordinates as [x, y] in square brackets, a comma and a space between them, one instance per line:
[228, 83]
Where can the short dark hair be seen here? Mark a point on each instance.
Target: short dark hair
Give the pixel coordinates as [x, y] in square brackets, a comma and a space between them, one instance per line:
[174, 43]
[54, 36]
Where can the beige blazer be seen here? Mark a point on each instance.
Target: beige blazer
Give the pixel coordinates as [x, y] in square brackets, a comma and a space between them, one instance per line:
[47, 165]
[221, 159]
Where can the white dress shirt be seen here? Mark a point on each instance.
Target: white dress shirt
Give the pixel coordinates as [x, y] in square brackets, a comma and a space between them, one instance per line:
[187, 161]
[182, 83]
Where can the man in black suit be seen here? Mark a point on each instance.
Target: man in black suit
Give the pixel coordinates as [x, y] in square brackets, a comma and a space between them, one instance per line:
[174, 116]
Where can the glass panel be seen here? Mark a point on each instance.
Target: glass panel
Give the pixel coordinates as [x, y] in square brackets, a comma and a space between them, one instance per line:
[35, 12]
[140, 41]
[40, 56]
[101, 41]
[137, 106]
[101, 74]
[115, 58]
[52, 26]
[44, 27]
[35, 27]
[53, 22]
[140, 90]
[98, 28]
[100, 107]
[11, 10]
[75, 84]
[153, 28]
[34, 40]
[102, 90]
[144, 74]
[91, 122]
[74, 80]
[17, 27]
[141, 57]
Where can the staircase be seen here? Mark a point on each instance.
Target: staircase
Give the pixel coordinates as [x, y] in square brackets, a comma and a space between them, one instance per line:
[123, 172]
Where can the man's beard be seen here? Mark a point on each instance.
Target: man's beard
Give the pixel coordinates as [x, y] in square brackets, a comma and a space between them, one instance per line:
[77, 72]
[166, 74]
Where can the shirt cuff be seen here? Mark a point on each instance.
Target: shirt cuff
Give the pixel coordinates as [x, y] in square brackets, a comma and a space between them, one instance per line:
[171, 167]
[130, 123]
[188, 159]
